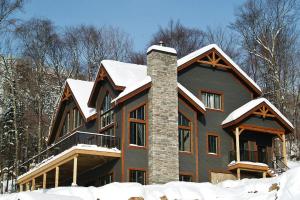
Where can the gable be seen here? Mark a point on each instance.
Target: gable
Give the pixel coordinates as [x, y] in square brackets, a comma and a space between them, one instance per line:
[214, 57]
[260, 108]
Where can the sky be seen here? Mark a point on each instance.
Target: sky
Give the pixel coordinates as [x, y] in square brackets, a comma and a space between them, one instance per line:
[139, 18]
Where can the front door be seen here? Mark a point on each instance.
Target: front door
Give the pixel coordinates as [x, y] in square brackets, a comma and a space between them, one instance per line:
[262, 154]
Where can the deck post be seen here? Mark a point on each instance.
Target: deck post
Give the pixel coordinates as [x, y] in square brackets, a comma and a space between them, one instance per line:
[27, 186]
[56, 176]
[44, 180]
[264, 174]
[33, 184]
[75, 171]
[238, 173]
[284, 150]
[237, 143]
[21, 187]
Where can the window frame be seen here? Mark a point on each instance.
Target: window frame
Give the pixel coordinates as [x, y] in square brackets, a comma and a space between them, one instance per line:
[218, 145]
[216, 93]
[110, 174]
[67, 118]
[186, 174]
[190, 128]
[104, 129]
[138, 121]
[74, 119]
[138, 169]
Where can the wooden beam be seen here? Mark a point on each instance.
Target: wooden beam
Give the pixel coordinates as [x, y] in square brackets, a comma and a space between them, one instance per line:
[56, 176]
[44, 180]
[75, 171]
[284, 149]
[237, 143]
[261, 129]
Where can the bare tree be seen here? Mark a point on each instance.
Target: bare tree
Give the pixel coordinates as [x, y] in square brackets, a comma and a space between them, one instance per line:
[7, 9]
[185, 40]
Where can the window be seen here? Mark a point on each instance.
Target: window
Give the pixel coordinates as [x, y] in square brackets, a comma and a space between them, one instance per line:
[137, 176]
[66, 126]
[106, 179]
[186, 178]
[184, 133]
[107, 115]
[137, 120]
[212, 100]
[213, 144]
[77, 119]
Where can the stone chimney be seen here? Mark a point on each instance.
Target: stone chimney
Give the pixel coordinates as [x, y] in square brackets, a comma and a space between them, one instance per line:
[163, 162]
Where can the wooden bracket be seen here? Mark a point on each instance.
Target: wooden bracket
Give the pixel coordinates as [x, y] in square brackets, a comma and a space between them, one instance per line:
[212, 58]
[264, 112]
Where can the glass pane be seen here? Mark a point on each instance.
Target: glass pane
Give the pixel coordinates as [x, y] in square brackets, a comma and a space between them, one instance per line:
[212, 144]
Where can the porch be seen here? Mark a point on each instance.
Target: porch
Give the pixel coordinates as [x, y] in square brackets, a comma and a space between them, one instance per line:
[61, 163]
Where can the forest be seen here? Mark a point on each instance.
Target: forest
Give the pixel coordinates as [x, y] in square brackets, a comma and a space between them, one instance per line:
[36, 57]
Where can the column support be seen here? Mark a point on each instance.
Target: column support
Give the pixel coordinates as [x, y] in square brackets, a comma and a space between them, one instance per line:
[284, 149]
[75, 171]
[264, 174]
[238, 173]
[44, 180]
[237, 143]
[21, 187]
[27, 186]
[56, 176]
[33, 184]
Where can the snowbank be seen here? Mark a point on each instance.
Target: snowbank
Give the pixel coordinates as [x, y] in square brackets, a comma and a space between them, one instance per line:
[283, 187]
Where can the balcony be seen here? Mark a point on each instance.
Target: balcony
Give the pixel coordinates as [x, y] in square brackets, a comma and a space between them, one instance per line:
[77, 151]
[251, 156]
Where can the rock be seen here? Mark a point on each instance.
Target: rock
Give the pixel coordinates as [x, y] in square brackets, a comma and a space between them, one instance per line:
[274, 186]
[136, 198]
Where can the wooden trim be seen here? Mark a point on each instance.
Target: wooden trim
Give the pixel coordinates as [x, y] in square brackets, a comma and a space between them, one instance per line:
[190, 128]
[133, 146]
[214, 92]
[230, 68]
[196, 146]
[262, 129]
[191, 101]
[138, 169]
[106, 92]
[123, 144]
[218, 155]
[247, 114]
[133, 93]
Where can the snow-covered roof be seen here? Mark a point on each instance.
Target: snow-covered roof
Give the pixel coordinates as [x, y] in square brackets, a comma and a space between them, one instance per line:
[201, 51]
[192, 96]
[249, 106]
[162, 48]
[81, 91]
[124, 74]
[132, 88]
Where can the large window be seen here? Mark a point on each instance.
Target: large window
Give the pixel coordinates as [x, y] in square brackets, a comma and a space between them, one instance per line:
[186, 178]
[138, 176]
[212, 100]
[137, 120]
[107, 116]
[77, 119]
[213, 144]
[66, 125]
[184, 133]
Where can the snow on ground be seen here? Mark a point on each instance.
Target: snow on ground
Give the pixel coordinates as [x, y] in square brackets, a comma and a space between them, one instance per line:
[288, 186]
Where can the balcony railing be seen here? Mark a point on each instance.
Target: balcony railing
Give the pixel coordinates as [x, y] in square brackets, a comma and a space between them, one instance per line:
[68, 142]
[252, 156]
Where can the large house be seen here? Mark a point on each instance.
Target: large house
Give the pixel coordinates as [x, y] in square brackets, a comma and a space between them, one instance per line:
[198, 118]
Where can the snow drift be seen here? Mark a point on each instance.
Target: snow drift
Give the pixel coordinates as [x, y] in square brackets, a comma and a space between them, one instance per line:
[283, 187]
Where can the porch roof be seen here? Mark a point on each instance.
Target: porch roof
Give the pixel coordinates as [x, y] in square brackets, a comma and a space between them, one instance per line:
[260, 106]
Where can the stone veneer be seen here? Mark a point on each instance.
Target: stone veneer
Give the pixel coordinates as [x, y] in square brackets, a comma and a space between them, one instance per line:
[163, 162]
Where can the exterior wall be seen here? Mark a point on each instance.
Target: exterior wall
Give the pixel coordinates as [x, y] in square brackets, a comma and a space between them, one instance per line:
[133, 157]
[196, 78]
[163, 118]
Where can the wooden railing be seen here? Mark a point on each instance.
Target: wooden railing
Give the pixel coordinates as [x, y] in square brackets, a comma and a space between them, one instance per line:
[68, 142]
[252, 156]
